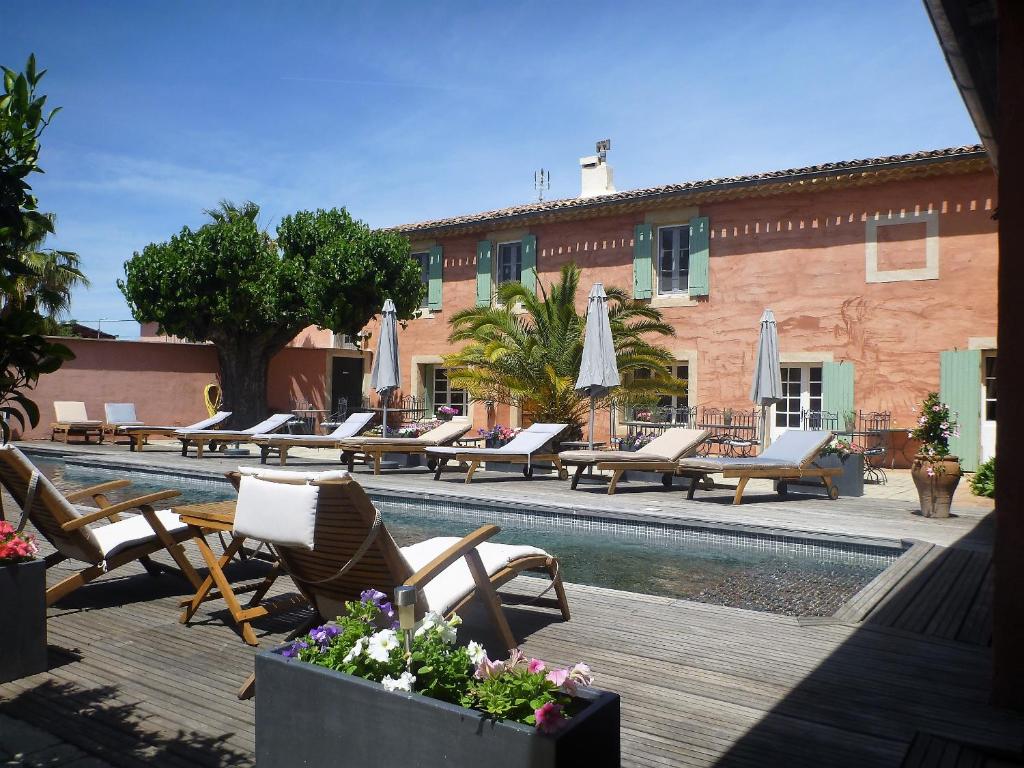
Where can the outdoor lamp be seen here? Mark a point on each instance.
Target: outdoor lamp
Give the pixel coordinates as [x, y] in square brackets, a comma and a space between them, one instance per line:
[405, 601]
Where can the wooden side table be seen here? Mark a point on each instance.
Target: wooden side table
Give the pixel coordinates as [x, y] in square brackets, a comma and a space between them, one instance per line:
[219, 517]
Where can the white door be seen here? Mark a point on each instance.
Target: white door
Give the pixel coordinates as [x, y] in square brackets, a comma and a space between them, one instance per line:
[801, 389]
[988, 406]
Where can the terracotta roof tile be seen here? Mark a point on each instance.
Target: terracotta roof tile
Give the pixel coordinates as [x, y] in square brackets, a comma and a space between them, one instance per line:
[789, 174]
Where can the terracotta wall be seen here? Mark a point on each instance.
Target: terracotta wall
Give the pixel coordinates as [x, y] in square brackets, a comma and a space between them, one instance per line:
[165, 380]
[804, 256]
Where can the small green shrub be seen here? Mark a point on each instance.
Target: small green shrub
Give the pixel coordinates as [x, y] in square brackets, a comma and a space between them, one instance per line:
[984, 481]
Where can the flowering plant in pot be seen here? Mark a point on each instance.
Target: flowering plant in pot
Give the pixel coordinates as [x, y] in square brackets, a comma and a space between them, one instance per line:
[445, 412]
[936, 472]
[22, 605]
[498, 435]
[465, 706]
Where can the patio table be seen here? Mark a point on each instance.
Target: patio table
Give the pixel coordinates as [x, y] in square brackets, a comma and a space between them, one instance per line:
[219, 517]
[721, 433]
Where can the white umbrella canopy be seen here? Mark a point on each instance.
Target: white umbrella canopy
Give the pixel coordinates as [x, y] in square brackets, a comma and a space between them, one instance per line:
[386, 375]
[599, 370]
[767, 387]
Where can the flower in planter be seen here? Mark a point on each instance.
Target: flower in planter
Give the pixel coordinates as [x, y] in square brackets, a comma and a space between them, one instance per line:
[16, 547]
[447, 410]
[361, 642]
[935, 426]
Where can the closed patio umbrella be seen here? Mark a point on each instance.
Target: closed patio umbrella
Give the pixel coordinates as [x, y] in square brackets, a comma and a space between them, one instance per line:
[599, 370]
[767, 389]
[386, 376]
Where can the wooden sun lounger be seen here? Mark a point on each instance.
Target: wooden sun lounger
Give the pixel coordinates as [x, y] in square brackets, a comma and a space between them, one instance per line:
[139, 435]
[72, 419]
[372, 449]
[791, 457]
[353, 425]
[349, 531]
[202, 437]
[526, 448]
[102, 548]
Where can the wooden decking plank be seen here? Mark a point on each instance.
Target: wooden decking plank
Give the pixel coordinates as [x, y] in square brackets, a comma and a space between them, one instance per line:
[963, 594]
[977, 625]
[861, 604]
[891, 607]
[928, 602]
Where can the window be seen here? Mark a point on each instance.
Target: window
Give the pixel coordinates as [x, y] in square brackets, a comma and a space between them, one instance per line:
[509, 264]
[801, 391]
[423, 259]
[990, 387]
[674, 406]
[673, 259]
[445, 394]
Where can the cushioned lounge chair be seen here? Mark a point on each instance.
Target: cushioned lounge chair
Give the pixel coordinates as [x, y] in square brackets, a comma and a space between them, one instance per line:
[659, 455]
[75, 536]
[72, 419]
[372, 449]
[139, 435]
[790, 457]
[333, 544]
[350, 427]
[526, 448]
[200, 437]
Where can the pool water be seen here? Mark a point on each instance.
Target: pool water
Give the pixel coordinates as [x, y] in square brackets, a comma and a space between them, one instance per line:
[779, 574]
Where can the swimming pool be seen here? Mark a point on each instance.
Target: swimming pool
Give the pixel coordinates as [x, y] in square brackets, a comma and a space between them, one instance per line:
[740, 568]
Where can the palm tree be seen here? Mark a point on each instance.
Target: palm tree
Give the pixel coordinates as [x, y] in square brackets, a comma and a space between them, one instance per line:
[50, 277]
[525, 351]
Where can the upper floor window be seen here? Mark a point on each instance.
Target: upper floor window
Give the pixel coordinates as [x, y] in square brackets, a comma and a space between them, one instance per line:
[673, 259]
[509, 264]
[423, 259]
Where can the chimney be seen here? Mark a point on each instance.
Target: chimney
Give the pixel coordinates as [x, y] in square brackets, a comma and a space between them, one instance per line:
[595, 173]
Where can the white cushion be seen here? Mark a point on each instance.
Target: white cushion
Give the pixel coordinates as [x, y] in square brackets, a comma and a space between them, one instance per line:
[121, 413]
[291, 476]
[130, 531]
[455, 582]
[71, 410]
[280, 512]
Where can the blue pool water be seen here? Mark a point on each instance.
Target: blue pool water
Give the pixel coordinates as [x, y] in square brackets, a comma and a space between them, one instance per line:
[759, 571]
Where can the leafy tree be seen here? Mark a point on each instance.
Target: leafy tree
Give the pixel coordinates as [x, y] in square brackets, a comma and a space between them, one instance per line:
[229, 282]
[25, 354]
[525, 351]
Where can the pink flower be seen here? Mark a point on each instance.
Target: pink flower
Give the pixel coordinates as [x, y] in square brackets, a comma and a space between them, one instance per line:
[549, 717]
[487, 669]
[516, 658]
[6, 528]
[930, 471]
[936, 408]
[581, 674]
[557, 676]
[535, 666]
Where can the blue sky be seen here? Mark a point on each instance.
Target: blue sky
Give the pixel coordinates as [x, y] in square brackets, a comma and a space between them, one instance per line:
[404, 111]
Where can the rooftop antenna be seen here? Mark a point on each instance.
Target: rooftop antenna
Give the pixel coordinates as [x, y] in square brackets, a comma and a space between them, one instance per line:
[602, 149]
[541, 181]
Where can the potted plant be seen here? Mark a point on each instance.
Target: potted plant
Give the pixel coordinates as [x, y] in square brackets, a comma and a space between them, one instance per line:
[446, 412]
[22, 605]
[935, 471]
[353, 693]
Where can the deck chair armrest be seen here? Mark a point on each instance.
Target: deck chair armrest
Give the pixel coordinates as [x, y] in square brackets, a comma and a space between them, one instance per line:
[123, 506]
[96, 490]
[459, 549]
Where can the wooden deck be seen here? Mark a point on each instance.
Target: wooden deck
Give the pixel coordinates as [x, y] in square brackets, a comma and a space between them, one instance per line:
[899, 676]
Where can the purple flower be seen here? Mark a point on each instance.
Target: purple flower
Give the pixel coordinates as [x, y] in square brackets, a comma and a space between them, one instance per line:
[293, 650]
[323, 635]
[374, 596]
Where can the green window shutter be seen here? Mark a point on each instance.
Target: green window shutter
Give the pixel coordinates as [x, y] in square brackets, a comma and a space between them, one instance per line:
[837, 390]
[435, 267]
[428, 391]
[529, 277]
[960, 389]
[642, 272]
[484, 249]
[700, 247]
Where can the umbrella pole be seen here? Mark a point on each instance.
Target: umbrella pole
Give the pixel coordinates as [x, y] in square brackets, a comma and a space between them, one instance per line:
[384, 418]
[764, 426]
[590, 435]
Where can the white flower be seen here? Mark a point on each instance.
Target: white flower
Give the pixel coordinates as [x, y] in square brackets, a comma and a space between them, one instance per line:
[401, 683]
[477, 653]
[381, 644]
[430, 620]
[355, 650]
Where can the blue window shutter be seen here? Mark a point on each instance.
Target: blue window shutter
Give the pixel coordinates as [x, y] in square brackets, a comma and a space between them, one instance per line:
[435, 270]
[960, 389]
[700, 247]
[428, 390]
[484, 249]
[837, 390]
[529, 277]
[642, 272]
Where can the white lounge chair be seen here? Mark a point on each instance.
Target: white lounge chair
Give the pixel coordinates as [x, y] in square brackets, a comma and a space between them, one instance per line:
[140, 434]
[203, 436]
[790, 457]
[659, 455]
[374, 448]
[72, 419]
[350, 427]
[526, 448]
[121, 415]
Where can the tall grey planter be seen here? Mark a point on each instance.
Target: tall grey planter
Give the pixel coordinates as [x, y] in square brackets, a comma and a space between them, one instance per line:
[308, 715]
[850, 483]
[23, 607]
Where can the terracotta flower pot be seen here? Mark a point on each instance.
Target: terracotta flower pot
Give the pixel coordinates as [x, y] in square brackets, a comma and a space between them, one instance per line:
[936, 482]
